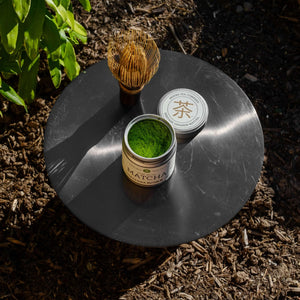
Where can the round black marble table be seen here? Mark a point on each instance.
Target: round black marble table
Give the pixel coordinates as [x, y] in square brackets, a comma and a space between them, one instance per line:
[215, 172]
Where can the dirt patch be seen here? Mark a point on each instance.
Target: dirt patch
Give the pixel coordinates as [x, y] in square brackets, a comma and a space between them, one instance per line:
[46, 253]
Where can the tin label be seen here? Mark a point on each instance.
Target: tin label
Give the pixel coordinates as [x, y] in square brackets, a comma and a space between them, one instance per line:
[185, 109]
[147, 176]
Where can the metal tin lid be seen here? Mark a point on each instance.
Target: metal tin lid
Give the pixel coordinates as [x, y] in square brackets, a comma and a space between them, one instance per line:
[185, 109]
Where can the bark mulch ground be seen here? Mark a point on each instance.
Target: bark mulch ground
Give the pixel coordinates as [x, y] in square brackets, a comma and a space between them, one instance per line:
[46, 253]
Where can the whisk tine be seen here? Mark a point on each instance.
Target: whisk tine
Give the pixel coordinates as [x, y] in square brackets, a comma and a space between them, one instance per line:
[133, 58]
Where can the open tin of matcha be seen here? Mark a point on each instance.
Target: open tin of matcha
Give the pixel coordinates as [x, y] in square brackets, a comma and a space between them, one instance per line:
[149, 150]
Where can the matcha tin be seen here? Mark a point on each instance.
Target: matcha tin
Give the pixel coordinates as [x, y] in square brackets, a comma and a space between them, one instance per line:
[186, 110]
[149, 150]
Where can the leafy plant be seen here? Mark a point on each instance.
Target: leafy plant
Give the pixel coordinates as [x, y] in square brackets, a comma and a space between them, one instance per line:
[28, 27]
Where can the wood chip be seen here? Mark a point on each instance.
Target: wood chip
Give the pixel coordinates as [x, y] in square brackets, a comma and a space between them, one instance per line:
[176, 38]
[177, 289]
[245, 238]
[142, 262]
[217, 280]
[131, 7]
[14, 205]
[4, 201]
[168, 259]
[224, 52]
[15, 241]
[282, 235]
[132, 261]
[270, 280]
[167, 292]
[186, 296]
[250, 77]
[198, 247]
[295, 20]
[294, 289]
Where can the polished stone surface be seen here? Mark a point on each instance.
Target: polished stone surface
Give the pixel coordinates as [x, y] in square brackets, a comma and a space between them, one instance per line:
[215, 172]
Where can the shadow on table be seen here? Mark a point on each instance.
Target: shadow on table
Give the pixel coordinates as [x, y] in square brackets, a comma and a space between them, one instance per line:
[104, 127]
[60, 258]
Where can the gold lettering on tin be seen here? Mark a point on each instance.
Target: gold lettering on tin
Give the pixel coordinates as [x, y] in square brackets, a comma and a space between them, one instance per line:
[182, 109]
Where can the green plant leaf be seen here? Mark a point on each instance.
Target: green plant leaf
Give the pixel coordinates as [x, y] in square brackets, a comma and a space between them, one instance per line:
[6, 75]
[65, 3]
[70, 19]
[8, 66]
[62, 12]
[86, 4]
[9, 26]
[70, 61]
[77, 67]
[80, 32]
[28, 78]
[63, 35]
[22, 8]
[10, 94]
[34, 28]
[73, 37]
[1, 114]
[3, 53]
[60, 22]
[51, 38]
[55, 72]
[64, 40]
[54, 6]
[51, 4]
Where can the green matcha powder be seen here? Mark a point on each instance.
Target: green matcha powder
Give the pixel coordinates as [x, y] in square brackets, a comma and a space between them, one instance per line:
[149, 138]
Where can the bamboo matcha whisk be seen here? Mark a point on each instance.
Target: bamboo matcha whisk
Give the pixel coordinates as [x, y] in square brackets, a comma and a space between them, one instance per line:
[133, 58]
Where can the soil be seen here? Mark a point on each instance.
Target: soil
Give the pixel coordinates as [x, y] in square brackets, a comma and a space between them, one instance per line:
[46, 253]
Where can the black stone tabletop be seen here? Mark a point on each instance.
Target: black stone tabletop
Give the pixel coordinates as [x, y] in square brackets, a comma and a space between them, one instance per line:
[215, 172]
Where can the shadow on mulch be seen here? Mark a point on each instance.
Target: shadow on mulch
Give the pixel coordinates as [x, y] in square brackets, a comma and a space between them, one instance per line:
[59, 256]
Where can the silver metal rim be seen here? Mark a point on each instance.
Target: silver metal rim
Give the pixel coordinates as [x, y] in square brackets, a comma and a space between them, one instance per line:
[183, 133]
